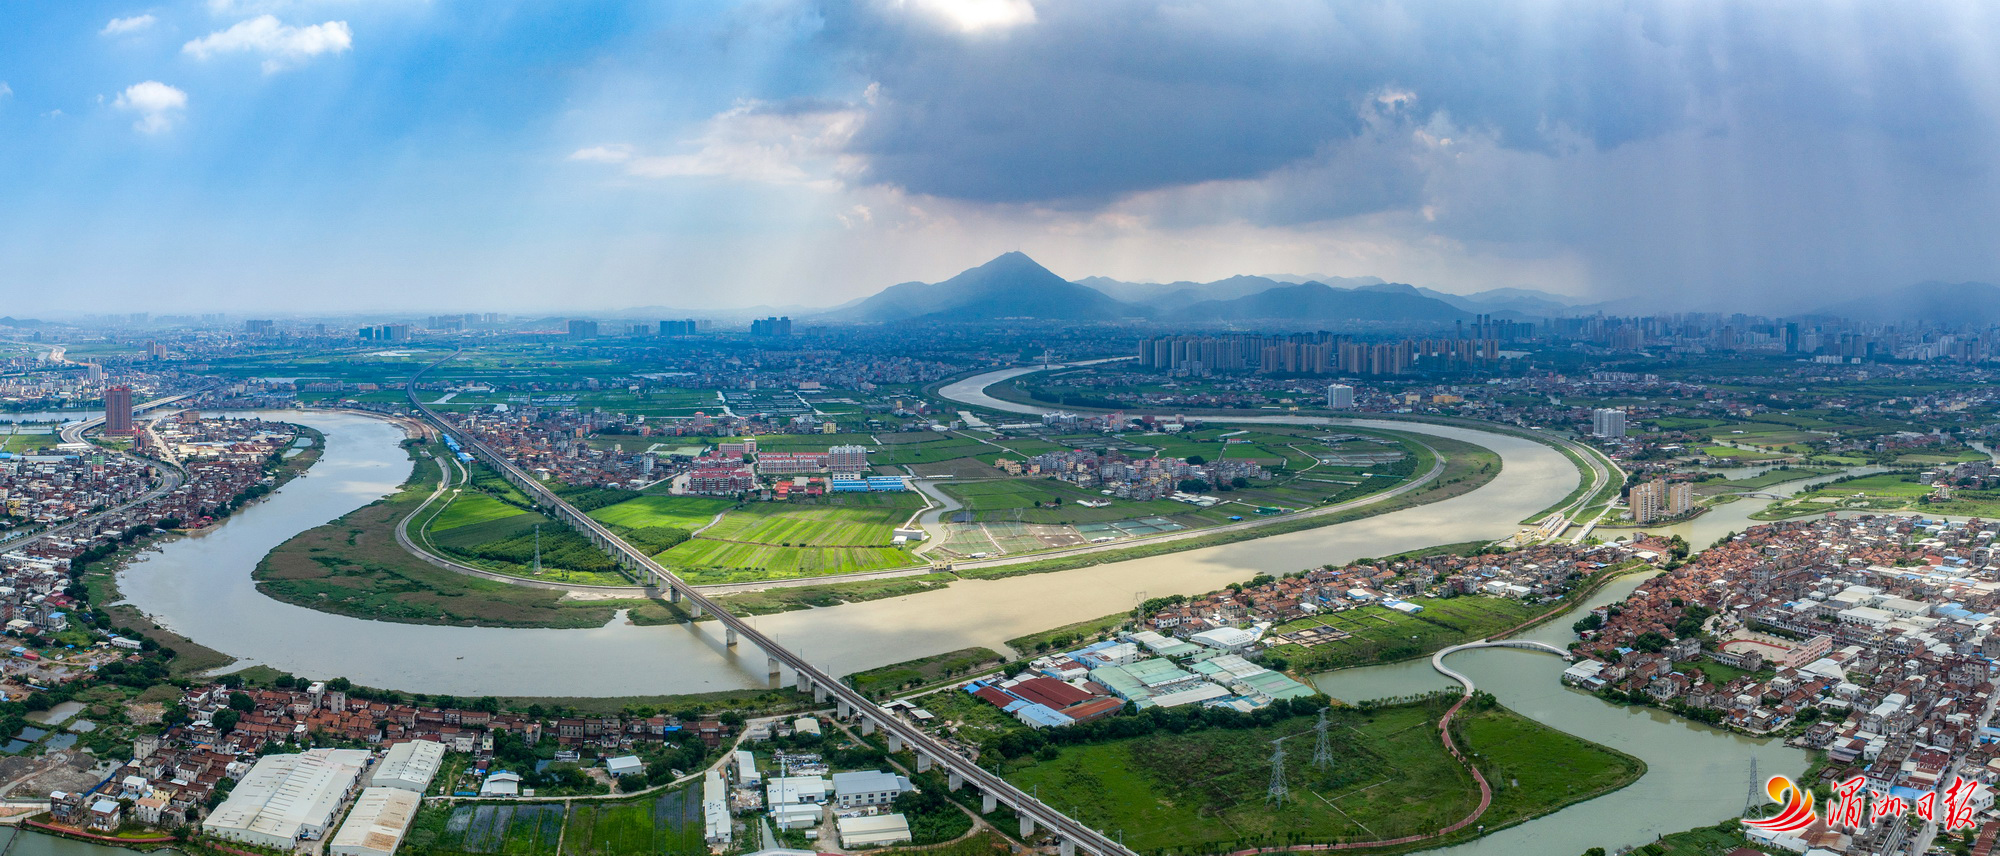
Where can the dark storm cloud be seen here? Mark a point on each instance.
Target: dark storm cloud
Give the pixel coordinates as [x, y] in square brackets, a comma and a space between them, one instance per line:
[1097, 99]
[1692, 147]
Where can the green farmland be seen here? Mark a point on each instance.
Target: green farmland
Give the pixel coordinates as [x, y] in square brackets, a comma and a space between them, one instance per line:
[1390, 777]
[840, 534]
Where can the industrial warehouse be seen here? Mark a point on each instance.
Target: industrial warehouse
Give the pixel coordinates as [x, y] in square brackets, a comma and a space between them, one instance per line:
[286, 799]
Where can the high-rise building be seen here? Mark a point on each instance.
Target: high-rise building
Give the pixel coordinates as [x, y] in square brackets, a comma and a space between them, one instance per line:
[580, 328]
[118, 410]
[93, 372]
[774, 326]
[847, 459]
[1607, 422]
[260, 327]
[1340, 396]
[1660, 500]
[683, 327]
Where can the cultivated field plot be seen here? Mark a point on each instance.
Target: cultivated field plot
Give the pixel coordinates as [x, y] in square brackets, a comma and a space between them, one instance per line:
[836, 535]
[501, 830]
[680, 512]
[943, 448]
[668, 824]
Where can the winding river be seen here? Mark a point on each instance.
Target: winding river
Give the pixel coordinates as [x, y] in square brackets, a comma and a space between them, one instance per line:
[200, 587]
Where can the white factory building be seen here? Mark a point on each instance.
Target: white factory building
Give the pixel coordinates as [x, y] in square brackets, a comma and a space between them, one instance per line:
[410, 765]
[287, 798]
[376, 825]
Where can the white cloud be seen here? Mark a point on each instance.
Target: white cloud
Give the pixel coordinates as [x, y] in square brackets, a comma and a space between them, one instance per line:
[128, 26]
[972, 16]
[281, 45]
[615, 153]
[754, 141]
[157, 104]
[5, 90]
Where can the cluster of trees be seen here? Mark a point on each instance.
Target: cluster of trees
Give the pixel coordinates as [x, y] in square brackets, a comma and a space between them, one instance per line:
[656, 539]
[593, 498]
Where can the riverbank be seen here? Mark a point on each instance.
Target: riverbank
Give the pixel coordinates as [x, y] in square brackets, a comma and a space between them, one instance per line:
[99, 578]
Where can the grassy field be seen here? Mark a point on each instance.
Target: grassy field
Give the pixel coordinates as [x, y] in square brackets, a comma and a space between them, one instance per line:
[1390, 776]
[1771, 477]
[1879, 492]
[1379, 634]
[834, 535]
[1015, 500]
[469, 508]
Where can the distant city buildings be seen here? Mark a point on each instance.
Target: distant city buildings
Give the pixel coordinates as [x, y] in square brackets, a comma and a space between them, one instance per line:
[773, 326]
[1340, 397]
[581, 328]
[682, 327]
[1608, 423]
[385, 333]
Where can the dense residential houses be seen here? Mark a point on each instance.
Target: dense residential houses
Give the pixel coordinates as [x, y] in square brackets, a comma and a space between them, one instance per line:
[1870, 638]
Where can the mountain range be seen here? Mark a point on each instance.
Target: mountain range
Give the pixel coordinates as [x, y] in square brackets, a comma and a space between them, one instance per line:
[1015, 286]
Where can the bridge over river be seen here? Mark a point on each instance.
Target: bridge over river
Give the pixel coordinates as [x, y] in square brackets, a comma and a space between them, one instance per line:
[850, 704]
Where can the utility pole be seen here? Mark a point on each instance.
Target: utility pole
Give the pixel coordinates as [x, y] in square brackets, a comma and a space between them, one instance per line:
[1756, 795]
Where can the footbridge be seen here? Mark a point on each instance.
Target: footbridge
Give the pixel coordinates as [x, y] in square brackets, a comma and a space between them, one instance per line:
[1437, 659]
[849, 704]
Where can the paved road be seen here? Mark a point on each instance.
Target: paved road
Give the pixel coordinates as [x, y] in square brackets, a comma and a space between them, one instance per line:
[972, 391]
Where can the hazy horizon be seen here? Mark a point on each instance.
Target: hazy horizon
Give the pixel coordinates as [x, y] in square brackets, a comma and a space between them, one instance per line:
[432, 155]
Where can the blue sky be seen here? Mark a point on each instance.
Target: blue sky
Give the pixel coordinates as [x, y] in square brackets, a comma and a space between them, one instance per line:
[204, 155]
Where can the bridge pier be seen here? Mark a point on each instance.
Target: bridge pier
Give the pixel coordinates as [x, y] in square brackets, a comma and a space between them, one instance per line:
[1027, 826]
[867, 726]
[729, 636]
[954, 781]
[842, 708]
[694, 610]
[804, 683]
[819, 693]
[1066, 848]
[923, 762]
[987, 803]
[772, 669]
[673, 595]
[895, 743]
